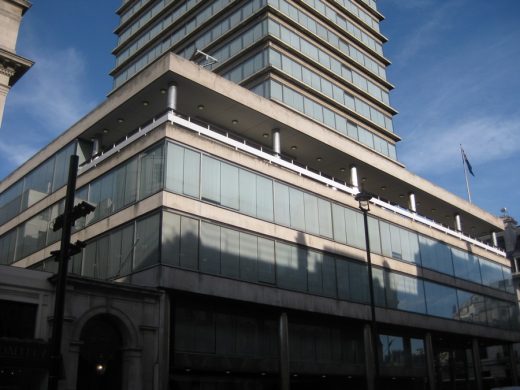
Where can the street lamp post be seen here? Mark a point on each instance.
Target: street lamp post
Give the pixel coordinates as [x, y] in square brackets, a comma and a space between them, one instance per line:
[364, 205]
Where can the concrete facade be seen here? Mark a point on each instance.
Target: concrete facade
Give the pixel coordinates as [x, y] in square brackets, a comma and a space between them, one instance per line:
[138, 314]
[227, 249]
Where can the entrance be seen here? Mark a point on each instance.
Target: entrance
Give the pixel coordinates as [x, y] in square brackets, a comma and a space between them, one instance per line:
[100, 355]
[454, 369]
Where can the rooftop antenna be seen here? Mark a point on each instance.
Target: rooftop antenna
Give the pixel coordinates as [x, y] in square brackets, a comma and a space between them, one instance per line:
[203, 59]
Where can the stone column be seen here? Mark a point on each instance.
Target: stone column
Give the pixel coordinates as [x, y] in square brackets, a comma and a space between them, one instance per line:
[172, 96]
[71, 364]
[458, 225]
[494, 238]
[283, 332]
[411, 202]
[276, 142]
[476, 364]
[430, 360]
[513, 362]
[354, 177]
[131, 373]
[370, 369]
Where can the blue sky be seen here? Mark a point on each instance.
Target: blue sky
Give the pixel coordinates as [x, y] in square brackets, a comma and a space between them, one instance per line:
[456, 67]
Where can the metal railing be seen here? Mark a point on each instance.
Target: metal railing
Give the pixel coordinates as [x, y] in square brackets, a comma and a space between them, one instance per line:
[203, 128]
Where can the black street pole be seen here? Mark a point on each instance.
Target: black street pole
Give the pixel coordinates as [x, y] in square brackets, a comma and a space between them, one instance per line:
[364, 198]
[63, 259]
[372, 302]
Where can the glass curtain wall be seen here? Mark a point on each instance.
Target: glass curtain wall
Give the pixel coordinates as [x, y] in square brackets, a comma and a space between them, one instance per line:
[202, 246]
[191, 173]
[36, 185]
[207, 247]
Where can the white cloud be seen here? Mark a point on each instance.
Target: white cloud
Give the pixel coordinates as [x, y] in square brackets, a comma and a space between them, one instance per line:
[54, 90]
[52, 95]
[16, 154]
[485, 140]
[427, 32]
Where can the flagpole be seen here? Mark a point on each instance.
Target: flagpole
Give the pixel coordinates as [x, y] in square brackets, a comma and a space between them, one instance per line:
[465, 173]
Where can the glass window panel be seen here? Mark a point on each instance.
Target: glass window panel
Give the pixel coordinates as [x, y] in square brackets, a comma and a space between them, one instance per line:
[7, 247]
[393, 352]
[342, 275]
[291, 267]
[147, 242]
[209, 260]
[175, 168]
[466, 265]
[210, 183]
[248, 257]
[405, 245]
[352, 130]
[118, 188]
[338, 219]
[102, 257]
[492, 275]
[191, 175]
[435, 255]
[325, 218]
[247, 182]
[264, 198]
[61, 166]
[276, 90]
[405, 293]
[10, 201]
[229, 186]
[127, 249]
[355, 228]
[472, 307]
[328, 271]
[414, 247]
[358, 282]
[311, 213]
[282, 214]
[314, 272]
[297, 205]
[441, 301]
[74, 264]
[366, 137]
[266, 262]
[508, 281]
[395, 238]
[33, 234]
[105, 203]
[89, 261]
[115, 253]
[189, 252]
[373, 233]
[386, 241]
[230, 247]
[131, 182]
[418, 352]
[151, 171]
[37, 184]
[498, 313]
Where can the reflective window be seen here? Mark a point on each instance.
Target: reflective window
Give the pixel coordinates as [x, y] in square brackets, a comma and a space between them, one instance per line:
[441, 301]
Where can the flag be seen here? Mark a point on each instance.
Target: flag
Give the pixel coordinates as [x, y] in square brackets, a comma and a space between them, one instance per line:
[465, 158]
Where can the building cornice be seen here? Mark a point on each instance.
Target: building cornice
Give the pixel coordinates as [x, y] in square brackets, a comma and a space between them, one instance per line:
[13, 65]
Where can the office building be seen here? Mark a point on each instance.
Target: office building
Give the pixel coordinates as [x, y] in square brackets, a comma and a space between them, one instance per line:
[224, 167]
